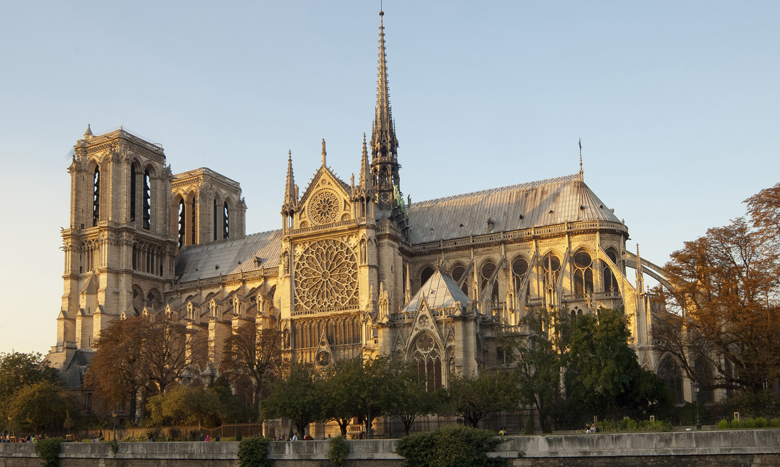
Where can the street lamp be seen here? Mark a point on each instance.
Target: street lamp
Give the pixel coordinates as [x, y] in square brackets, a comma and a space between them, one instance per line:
[698, 420]
[10, 426]
[113, 415]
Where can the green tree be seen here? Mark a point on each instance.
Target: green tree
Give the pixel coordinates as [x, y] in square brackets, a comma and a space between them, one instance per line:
[538, 359]
[340, 393]
[474, 398]
[408, 398]
[40, 406]
[185, 406]
[18, 370]
[603, 372]
[296, 398]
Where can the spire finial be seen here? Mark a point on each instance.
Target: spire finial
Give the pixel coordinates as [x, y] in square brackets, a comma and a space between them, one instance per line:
[88, 133]
[365, 171]
[324, 154]
[290, 192]
[581, 174]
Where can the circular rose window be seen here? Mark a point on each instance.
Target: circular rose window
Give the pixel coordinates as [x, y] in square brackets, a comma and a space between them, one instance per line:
[324, 207]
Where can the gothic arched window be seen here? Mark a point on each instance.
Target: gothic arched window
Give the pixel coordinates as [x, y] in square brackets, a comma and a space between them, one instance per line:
[193, 220]
[583, 273]
[215, 220]
[519, 270]
[610, 283]
[487, 271]
[182, 223]
[428, 361]
[425, 275]
[457, 274]
[552, 269]
[133, 190]
[225, 221]
[671, 374]
[147, 201]
[96, 197]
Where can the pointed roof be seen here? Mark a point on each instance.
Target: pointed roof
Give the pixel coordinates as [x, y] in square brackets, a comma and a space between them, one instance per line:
[383, 140]
[536, 204]
[439, 291]
[289, 187]
[88, 134]
[365, 171]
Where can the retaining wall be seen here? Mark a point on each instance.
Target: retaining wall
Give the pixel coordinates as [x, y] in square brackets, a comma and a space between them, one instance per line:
[680, 449]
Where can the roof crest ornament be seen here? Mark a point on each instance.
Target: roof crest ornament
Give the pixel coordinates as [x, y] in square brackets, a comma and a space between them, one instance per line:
[324, 154]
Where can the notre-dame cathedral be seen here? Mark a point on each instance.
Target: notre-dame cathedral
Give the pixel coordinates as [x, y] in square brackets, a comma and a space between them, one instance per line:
[354, 270]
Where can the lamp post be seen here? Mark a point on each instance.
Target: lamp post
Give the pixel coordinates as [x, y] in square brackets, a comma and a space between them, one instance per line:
[698, 420]
[113, 415]
[10, 425]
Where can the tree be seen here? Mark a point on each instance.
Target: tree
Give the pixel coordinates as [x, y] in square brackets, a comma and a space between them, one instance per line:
[255, 354]
[372, 388]
[19, 370]
[723, 313]
[296, 398]
[408, 398]
[185, 406]
[340, 392]
[40, 406]
[603, 372]
[141, 355]
[474, 398]
[538, 359]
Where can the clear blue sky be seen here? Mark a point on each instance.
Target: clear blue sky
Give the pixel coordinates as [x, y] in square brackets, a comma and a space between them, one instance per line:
[677, 104]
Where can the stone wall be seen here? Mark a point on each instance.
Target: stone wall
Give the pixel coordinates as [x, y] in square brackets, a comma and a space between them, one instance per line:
[679, 449]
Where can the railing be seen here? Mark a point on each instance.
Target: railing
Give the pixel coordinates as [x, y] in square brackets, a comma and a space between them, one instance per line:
[341, 309]
[520, 234]
[326, 227]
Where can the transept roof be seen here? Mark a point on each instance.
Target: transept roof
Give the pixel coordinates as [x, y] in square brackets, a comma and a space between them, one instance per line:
[439, 291]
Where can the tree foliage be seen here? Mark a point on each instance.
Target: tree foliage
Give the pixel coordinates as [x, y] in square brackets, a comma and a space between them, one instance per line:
[140, 353]
[296, 398]
[452, 446]
[40, 406]
[407, 397]
[474, 398]
[255, 355]
[723, 313]
[18, 373]
[185, 406]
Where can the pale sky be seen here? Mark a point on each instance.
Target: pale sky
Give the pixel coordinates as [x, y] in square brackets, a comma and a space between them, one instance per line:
[677, 104]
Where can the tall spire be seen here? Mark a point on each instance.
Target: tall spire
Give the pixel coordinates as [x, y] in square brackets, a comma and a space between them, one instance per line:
[324, 154]
[581, 175]
[384, 145]
[383, 141]
[290, 194]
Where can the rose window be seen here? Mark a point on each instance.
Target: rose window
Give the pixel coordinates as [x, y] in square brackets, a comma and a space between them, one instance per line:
[326, 276]
[324, 207]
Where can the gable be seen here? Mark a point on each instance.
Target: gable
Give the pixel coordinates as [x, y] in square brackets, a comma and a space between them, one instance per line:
[326, 201]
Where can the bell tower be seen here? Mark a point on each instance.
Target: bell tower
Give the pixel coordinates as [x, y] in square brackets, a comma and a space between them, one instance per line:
[119, 250]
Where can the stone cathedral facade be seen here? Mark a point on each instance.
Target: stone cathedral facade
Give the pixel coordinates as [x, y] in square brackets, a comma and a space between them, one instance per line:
[354, 270]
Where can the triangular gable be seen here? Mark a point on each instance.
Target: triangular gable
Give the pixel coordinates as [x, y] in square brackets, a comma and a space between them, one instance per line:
[424, 323]
[323, 356]
[441, 292]
[336, 182]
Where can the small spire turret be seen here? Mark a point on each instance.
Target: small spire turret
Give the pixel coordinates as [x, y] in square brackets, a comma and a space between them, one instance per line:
[290, 189]
[88, 134]
[324, 154]
[581, 173]
[365, 170]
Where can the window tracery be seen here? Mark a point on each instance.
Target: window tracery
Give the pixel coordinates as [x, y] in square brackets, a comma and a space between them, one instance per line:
[323, 207]
[457, 273]
[225, 221]
[583, 273]
[428, 358]
[147, 201]
[182, 224]
[96, 197]
[326, 276]
[519, 271]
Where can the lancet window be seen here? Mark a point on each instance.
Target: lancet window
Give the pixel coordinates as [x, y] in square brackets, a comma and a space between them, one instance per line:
[147, 201]
[426, 274]
[215, 220]
[225, 221]
[610, 283]
[551, 268]
[519, 271]
[428, 358]
[487, 271]
[133, 190]
[583, 273]
[457, 273]
[182, 224]
[96, 197]
[193, 221]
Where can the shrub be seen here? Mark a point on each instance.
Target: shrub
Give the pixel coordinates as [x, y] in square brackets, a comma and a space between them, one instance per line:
[175, 434]
[338, 451]
[774, 423]
[723, 425]
[253, 452]
[734, 423]
[113, 446]
[762, 422]
[452, 446]
[749, 423]
[49, 451]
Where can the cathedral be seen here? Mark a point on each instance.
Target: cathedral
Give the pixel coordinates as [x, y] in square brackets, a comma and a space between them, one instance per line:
[354, 270]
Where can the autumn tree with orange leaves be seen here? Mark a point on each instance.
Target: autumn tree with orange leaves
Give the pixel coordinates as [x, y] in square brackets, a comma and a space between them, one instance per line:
[723, 313]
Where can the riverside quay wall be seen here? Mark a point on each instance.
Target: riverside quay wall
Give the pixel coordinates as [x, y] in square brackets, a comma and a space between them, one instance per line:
[707, 448]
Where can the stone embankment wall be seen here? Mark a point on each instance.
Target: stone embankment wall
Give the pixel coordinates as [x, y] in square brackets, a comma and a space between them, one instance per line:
[705, 449]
